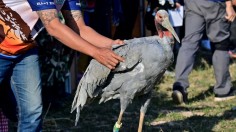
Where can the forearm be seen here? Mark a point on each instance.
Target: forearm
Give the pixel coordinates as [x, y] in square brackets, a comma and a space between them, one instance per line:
[95, 38]
[72, 40]
[64, 34]
[74, 21]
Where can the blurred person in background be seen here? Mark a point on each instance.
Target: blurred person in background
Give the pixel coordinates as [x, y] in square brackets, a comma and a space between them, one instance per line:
[214, 16]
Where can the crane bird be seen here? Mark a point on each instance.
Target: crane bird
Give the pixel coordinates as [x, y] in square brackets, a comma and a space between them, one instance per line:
[146, 60]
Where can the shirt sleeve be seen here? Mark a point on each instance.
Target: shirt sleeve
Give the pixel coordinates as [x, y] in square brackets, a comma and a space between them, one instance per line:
[71, 5]
[37, 5]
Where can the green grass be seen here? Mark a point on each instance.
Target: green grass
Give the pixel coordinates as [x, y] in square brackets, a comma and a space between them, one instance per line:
[200, 114]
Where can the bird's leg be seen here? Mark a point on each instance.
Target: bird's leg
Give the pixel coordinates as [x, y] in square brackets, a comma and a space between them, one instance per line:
[143, 111]
[124, 101]
[141, 118]
[118, 124]
[120, 117]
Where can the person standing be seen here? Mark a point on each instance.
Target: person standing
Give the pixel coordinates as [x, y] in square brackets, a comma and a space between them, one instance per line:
[19, 25]
[214, 16]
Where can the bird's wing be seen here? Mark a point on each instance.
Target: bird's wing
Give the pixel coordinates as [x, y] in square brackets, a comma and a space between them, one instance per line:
[94, 76]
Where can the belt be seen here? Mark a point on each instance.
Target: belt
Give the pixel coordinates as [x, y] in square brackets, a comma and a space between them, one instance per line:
[5, 52]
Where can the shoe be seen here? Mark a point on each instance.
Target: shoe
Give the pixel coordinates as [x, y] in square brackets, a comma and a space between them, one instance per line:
[230, 95]
[179, 97]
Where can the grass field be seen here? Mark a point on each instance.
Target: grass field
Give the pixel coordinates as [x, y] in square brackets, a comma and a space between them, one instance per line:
[200, 114]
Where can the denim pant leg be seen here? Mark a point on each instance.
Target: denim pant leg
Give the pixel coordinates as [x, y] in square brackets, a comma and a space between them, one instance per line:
[26, 85]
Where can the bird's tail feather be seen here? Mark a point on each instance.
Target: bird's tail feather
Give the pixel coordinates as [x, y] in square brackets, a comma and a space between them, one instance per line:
[77, 115]
[76, 98]
[76, 105]
[80, 98]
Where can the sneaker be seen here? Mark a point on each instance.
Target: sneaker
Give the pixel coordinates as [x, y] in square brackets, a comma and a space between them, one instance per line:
[230, 95]
[179, 97]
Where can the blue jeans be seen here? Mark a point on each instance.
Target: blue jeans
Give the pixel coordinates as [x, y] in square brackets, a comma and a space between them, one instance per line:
[24, 75]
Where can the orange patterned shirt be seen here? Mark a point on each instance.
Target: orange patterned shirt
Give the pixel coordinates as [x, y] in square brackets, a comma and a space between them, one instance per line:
[19, 22]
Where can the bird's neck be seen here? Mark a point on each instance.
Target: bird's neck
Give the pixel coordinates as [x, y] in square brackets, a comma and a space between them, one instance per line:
[161, 34]
[167, 34]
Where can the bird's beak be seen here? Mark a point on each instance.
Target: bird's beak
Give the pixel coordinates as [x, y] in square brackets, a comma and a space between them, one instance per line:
[166, 24]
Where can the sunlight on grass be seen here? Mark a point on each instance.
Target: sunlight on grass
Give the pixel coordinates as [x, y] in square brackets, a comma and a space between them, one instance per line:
[202, 113]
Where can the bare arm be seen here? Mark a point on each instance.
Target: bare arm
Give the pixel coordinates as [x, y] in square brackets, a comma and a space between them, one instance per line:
[234, 2]
[177, 4]
[70, 38]
[74, 19]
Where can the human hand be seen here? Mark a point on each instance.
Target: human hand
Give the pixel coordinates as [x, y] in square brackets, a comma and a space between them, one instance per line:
[230, 13]
[232, 55]
[177, 5]
[155, 9]
[107, 57]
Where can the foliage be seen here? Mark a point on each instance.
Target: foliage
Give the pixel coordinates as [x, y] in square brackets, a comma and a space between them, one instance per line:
[55, 59]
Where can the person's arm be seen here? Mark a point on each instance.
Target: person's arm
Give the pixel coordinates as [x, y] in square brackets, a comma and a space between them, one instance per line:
[75, 20]
[232, 55]
[234, 2]
[230, 13]
[70, 38]
[177, 5]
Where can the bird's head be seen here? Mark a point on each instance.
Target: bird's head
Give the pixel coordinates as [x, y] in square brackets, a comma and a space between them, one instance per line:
[163, 26]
